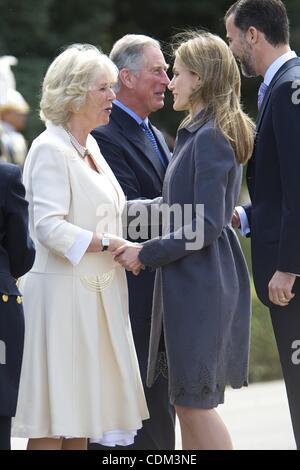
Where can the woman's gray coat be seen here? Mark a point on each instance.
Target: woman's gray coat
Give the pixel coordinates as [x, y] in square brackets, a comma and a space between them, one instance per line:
[202, 296]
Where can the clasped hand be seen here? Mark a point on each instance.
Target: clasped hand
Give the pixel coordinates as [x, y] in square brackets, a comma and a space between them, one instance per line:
[280, 288]
[126, 254]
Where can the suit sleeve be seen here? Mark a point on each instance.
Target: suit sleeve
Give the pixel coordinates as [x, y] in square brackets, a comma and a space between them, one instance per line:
[17, 241]
[115, 156]
[286, 124]
[213, 159]
[51, 200]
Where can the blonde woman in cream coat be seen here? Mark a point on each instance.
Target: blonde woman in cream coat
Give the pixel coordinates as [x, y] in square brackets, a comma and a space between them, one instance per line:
[80, 376]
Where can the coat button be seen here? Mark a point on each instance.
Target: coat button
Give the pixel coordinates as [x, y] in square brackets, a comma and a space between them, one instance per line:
[19, 299]
[5, 298]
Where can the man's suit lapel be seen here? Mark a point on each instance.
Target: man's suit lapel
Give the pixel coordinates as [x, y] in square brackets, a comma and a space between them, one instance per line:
[135, 134]
[250, 173]
[288, 65]
[142, 142]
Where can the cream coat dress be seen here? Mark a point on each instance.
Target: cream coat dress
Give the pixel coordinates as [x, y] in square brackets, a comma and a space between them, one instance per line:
[80, 374]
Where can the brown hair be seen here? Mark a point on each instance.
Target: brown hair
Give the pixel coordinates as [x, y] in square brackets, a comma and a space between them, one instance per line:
[210, 58]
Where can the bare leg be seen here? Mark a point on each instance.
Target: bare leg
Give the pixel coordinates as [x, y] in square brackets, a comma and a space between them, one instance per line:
[202, 429]
[46, 443]
[74, 444]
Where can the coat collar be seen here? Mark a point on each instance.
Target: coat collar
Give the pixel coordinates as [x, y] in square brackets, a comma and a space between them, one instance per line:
[196, 123]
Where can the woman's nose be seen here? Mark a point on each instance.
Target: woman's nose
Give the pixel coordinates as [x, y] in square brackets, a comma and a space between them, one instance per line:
[171, 85]
[112, 95]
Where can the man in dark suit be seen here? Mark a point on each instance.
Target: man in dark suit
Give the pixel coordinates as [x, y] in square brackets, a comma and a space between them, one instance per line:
[16, 258]
[138, 155]
[258, 34]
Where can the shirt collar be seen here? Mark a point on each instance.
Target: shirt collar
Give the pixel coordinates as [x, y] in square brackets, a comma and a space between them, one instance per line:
[131, 113]
[276, 65]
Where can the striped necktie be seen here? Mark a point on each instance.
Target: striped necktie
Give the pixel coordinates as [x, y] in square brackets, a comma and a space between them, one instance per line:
[152, 139]
[261, 94]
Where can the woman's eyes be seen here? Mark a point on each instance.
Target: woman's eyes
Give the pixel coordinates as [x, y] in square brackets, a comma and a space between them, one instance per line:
[105, 88]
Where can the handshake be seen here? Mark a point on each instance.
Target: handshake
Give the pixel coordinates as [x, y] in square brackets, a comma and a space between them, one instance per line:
[125, 253]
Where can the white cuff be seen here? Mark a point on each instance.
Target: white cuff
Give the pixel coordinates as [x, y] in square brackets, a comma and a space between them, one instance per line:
[79, 247]
[244, 229]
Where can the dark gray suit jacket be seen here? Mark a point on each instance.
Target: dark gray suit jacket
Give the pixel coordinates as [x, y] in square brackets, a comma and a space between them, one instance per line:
[273, 181]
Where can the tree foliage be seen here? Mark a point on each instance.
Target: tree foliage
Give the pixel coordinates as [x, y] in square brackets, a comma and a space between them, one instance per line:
[36, 30]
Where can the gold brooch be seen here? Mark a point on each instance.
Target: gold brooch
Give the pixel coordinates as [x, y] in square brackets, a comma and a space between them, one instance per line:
[5, 298]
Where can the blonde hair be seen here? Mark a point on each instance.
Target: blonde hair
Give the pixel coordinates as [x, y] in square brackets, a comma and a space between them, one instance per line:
[69, 78]
[209, 57]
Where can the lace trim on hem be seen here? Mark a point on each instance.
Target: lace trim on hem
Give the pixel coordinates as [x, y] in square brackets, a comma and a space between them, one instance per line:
[204, 389]
[161, 366]
[206, 384]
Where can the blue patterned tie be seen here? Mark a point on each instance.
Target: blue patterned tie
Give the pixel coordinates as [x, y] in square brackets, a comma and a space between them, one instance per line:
[152, 139]
[261, 93]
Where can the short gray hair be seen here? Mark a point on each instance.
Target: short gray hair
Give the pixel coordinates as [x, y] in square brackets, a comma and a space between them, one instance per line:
[127, 52]
[69, 78]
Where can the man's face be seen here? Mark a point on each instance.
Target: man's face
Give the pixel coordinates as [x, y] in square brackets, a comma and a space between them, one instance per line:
[240, 48]
[152, 81]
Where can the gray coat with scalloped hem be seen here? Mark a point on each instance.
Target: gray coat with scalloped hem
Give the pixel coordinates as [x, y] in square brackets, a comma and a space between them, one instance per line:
[201, 296]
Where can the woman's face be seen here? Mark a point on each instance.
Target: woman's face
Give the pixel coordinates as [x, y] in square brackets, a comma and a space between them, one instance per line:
[98, 104]
[182, 85]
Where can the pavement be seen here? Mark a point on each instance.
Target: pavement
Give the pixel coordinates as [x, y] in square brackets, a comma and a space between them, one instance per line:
[257, 418]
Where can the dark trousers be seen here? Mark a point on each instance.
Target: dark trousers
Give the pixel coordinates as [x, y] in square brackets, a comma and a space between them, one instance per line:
[5, 427]
[286, 325]
[158, 432]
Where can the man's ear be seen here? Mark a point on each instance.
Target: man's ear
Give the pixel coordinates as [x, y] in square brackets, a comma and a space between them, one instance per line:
[127, 78]
[252, 35]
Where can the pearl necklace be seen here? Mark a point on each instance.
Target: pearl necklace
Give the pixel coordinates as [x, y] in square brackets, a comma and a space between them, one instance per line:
[82, 151]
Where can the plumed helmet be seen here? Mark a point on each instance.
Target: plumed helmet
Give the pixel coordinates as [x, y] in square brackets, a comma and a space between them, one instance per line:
[10, 98]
